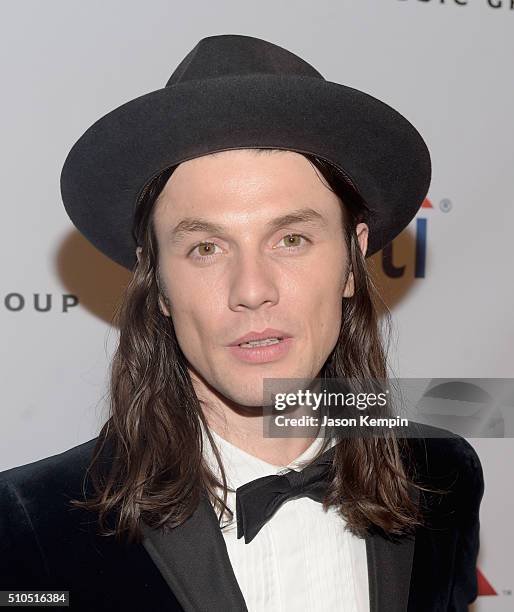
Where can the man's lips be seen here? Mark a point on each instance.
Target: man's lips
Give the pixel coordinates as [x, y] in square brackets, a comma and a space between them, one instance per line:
[269, 332]
[262, 353]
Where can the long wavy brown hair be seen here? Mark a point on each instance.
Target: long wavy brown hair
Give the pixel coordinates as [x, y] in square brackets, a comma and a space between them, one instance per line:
[153, 437]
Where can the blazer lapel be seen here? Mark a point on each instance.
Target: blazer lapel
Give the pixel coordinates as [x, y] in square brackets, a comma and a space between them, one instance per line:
[194, 561]
[390, 569]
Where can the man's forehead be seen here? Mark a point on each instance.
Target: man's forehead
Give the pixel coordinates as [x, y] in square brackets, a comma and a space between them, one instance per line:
[240, 190]
[190, 225]
[242, 170]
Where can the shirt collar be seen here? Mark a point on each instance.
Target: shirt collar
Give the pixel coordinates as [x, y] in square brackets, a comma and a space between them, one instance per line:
[242, 467]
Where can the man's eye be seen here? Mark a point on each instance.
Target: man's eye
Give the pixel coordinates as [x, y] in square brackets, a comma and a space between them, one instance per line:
[205, 250]
[290, 241]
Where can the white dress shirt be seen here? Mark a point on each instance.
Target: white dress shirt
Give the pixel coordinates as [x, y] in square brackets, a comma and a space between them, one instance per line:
[302, 558]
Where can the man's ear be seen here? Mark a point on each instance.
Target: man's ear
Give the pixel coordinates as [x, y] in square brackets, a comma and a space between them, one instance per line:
[162, 305]
[161, 301]
[362, 231]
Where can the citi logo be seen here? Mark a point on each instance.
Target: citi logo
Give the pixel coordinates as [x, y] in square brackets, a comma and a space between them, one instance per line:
[420, 244]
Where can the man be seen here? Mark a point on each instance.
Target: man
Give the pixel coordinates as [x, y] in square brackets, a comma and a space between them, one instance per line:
[244, 196]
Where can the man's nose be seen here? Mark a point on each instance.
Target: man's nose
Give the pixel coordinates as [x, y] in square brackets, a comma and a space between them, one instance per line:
[253, 281]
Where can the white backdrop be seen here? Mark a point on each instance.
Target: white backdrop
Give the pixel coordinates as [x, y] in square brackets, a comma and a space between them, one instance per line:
[445, 64]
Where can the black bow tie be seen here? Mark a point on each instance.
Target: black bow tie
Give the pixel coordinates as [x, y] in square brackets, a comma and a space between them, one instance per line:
[258, 500]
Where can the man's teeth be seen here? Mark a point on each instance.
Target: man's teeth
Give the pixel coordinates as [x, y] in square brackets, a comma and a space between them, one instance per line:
[260, 342]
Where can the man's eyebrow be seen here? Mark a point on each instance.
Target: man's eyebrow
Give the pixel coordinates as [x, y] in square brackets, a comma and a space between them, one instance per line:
[190, 225]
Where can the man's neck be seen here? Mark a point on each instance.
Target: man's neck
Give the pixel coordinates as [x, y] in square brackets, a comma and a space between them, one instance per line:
[246, 432]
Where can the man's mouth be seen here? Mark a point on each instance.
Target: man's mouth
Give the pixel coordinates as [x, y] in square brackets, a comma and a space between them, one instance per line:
[265, 337]
[265, 342]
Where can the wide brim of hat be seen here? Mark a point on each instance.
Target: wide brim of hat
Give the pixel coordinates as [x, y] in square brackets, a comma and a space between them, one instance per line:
[378, 149]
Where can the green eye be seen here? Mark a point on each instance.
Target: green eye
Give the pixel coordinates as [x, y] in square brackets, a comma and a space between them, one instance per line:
[208, 246]
[206, 250]
[290, 239]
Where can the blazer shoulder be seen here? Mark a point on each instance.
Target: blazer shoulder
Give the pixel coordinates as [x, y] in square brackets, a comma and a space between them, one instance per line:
[446, 460]
[34, 513]
[63, 471]
[436, 449]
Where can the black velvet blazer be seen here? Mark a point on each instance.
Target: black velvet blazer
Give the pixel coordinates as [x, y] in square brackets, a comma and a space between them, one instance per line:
[47, 545]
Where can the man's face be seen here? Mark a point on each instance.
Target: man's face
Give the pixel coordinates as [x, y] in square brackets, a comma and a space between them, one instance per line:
[249, 275]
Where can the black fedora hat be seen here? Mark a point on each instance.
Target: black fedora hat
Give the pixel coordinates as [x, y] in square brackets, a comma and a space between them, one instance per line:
[233, 92]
